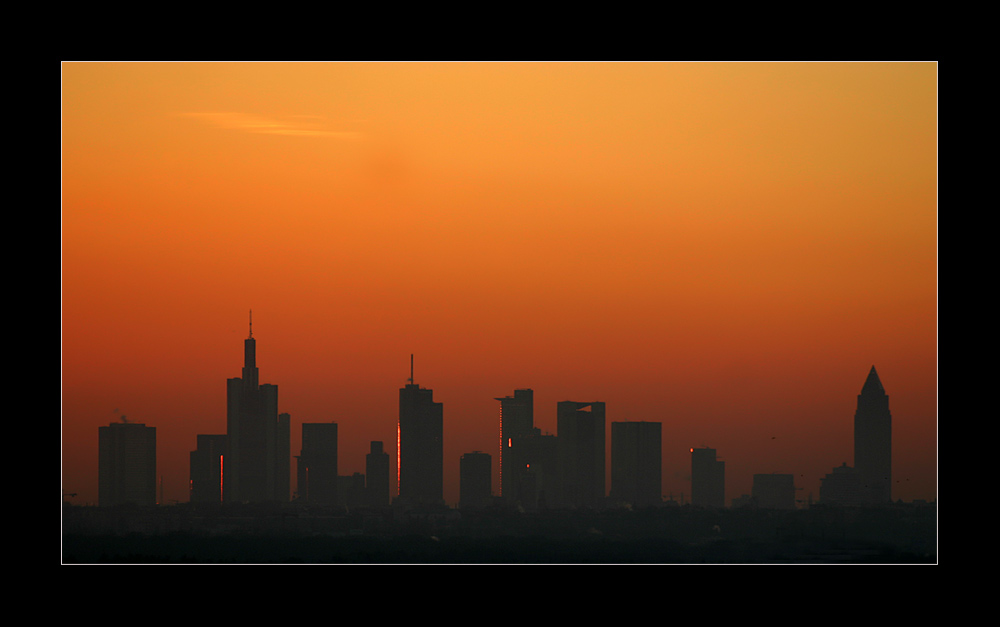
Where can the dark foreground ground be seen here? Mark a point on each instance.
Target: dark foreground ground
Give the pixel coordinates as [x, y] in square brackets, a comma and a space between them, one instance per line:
[183, 534]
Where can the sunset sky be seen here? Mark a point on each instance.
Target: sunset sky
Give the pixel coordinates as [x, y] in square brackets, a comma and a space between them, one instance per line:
[725, 248]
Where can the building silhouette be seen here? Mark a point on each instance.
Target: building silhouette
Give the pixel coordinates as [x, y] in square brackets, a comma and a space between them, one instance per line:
[317, 464]
[873, 442]
[517, 420]
[475, 480]
[636, 463]
[126, 464]
[533, 471]
[708, 478]
[257, 462]
[420, 436]
[206, 469]
[840, 487]
[774, 491]
[581, 453]
[377, 476]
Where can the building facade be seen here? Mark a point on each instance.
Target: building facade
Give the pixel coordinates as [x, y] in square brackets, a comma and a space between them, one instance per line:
[840, 487]
[207, 469]
[517, 420]
[317, 464]
[636, 463]
[126, 465]
[581, 453]
[377, 476]
[475, 480]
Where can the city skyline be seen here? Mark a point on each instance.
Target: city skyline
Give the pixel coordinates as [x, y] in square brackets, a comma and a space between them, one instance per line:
[413, 396]
[726, 249]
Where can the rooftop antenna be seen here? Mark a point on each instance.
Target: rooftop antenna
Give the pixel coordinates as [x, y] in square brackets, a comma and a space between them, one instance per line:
[411, 368]
[251, 323]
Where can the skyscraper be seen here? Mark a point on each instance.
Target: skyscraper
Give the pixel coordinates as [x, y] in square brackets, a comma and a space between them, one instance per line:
[256, 466]
[475, 480]
[873, 441]
[581, 453]
[377, 476]
[517, 420]
[420, 445]
[636, 463]
[126, 464]
[708, 478]
[206, 469]
[317, 464]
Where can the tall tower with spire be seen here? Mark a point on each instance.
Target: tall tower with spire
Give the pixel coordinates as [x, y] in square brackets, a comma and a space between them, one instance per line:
[873, 441]
[420, 445]
[256, 463]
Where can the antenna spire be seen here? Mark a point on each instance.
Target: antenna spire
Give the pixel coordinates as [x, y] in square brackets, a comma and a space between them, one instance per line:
[251, 323]
[411, 368]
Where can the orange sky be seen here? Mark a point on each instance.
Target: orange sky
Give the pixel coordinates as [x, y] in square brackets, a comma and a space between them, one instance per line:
[726, 248]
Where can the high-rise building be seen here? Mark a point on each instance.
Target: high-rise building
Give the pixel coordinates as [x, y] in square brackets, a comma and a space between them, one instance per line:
[283, 458]
[708, 479]
[257, 461]
[774, 491]
[873, 441]
[317, 463]
[420, 445]
[636, 463]
[126, 464]
[206, 469]
[377, 476]
[581, 453]
[517, 420]
[475, 480]
[533, 471]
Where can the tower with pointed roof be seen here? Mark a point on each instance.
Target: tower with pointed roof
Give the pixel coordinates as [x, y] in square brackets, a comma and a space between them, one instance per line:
[873, 441]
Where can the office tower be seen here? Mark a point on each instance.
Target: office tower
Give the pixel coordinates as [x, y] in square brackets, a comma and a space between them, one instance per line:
[126, 464]
[206, 469]
[873, 441]
[517, 420]
[283, 458]
[377, 476]
[581, 453]
[317, 464]
[636, 463]
[257, 461]
[708, 479]
[420, 445]
[537, 477]
[476, 480]
[774, 491]
[840, 487]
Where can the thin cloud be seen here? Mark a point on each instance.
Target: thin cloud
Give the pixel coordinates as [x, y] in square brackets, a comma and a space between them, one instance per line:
[298, 125]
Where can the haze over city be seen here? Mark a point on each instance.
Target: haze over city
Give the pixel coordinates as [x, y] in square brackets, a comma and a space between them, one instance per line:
[724, 248]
